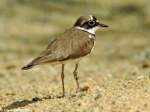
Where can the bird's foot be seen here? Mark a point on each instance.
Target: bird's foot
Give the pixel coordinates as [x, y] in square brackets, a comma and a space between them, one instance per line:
[61, 96]
[85, 88]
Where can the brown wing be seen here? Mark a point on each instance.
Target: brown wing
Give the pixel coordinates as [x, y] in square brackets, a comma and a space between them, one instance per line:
[76, 45]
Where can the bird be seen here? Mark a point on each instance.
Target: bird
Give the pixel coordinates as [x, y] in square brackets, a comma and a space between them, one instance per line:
[70, 46]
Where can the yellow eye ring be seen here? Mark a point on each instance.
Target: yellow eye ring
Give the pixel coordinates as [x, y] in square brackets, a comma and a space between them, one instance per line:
[91, 23]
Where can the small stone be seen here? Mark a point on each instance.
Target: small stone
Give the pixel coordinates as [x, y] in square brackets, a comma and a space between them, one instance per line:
[97, 96]
[35, 99]
[145, 105]
[145, 65]
[113, 102]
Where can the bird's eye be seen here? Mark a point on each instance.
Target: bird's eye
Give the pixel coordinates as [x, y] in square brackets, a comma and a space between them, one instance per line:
[91, 23]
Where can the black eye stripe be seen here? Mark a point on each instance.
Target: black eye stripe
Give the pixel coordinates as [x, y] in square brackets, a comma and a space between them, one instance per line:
[87, 26]
[91, 22]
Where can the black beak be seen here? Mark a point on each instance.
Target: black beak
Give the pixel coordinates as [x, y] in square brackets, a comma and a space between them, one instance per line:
[102, 25]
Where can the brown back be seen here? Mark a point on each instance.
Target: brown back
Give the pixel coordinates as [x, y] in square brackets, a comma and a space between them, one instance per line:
[72, 44]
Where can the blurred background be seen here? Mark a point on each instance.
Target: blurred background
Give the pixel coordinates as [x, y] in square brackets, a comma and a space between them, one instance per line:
[26, 24]
[122, 51]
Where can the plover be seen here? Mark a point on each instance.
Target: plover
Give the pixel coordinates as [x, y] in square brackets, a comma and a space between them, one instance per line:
[72, 45]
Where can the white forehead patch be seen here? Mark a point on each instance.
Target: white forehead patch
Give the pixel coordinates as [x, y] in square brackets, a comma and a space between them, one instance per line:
[91, 17]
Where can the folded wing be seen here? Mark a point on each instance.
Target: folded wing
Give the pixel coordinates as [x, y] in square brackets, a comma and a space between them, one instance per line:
[65, 48]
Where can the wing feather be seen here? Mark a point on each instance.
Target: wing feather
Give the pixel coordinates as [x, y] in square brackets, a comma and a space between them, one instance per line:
[65, 47]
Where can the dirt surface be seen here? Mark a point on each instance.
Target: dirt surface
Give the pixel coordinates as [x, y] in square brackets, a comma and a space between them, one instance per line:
[116, 75]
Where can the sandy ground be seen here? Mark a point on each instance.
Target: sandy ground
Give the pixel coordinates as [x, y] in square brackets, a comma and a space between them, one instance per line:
[117, 75]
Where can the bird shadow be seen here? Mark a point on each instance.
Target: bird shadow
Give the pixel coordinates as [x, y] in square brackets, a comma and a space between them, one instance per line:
[25, 102]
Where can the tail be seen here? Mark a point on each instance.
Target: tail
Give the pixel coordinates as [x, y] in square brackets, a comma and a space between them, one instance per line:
[29, 66]
[34, 62]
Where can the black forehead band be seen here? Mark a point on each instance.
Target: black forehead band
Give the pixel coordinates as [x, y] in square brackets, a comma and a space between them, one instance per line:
[94, 18]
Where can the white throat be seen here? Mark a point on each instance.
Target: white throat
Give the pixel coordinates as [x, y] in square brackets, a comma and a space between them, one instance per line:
[91, 30]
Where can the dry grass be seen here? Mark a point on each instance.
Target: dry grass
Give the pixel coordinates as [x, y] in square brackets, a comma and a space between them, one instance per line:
[117, 72]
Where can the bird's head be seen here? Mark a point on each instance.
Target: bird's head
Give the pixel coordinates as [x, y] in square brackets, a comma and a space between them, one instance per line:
[88, 23]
